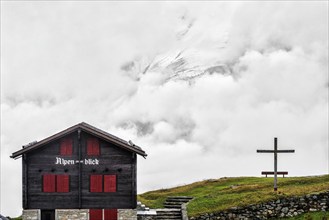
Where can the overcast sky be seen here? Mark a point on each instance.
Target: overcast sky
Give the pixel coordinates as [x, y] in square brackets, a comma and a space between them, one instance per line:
[199, 85]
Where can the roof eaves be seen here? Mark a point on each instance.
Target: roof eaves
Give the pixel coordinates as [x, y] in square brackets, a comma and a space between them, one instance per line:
[84, 126]
[107, 136]
[36, 144]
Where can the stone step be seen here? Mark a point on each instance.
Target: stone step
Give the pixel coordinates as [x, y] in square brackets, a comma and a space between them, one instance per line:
[170, 214]
[178, 200]
[173, 203]
[169, 217]
[168, 210]
[173, 206]
[178, 205]
[180, 197]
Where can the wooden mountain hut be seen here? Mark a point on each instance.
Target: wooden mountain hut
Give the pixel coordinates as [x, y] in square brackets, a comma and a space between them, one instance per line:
[81, 171]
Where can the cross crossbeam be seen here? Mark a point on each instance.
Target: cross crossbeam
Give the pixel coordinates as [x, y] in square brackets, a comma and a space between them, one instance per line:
[275, 152]
[278, 151]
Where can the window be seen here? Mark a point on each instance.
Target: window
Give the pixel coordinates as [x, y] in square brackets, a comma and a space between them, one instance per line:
[97, 214]
[110, 183]
[92, 146]
[66, 147]
[100, 183]
[56, 183]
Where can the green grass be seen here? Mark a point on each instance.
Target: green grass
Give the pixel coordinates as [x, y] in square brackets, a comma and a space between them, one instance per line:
[220, 194]
[310, 216]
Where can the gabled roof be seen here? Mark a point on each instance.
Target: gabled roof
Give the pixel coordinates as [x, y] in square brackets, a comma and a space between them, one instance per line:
[127, 145]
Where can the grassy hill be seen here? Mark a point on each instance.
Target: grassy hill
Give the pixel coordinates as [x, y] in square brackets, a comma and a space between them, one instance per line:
[220, 194]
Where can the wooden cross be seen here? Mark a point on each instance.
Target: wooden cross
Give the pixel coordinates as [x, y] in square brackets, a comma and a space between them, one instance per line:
[275, 151]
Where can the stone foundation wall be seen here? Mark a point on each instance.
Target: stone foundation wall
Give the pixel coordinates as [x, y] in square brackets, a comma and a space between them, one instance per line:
[127, 214]
[77, 214]
[72, 214]
[147, 217]
[284, 207]
[31, 214]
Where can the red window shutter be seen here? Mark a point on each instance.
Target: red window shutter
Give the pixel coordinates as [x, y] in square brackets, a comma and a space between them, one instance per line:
[66, 147]
[110, 183]
[96, 183]
[63, 183]
[92, 147]
[49, 183]
[95, 214]
[96, 147]
[110, 214]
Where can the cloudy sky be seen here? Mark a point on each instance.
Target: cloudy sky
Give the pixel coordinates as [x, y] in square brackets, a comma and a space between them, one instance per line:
[198, 85]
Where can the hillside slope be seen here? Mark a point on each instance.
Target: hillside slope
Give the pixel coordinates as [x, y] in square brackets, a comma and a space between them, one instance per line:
[219, 194]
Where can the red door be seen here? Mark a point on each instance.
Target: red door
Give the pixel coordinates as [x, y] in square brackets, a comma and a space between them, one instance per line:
[95, 214]
[110, 214]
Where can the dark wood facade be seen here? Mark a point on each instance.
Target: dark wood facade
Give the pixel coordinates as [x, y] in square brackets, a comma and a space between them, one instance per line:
[80, 167]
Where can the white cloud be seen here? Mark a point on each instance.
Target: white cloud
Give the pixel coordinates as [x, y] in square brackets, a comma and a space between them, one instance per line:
[67, 62]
